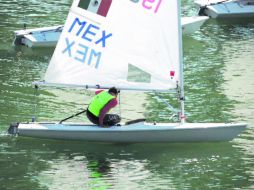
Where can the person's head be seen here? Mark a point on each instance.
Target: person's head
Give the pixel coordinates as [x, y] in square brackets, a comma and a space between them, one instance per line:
[113, 91]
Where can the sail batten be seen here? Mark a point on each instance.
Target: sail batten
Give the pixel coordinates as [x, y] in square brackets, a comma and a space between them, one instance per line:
[124, 43]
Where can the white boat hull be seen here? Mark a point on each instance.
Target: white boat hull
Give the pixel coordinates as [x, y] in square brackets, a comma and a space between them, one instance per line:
[192, 24]
[48, 36]
[133, 133]
[224, 9]
[38, 37]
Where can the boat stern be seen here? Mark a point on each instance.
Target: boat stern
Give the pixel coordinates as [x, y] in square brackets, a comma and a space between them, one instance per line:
[13, 129]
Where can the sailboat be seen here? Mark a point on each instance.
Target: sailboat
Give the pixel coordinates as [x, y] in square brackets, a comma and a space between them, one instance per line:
[38, 37]
[226, 8]
[48, 36]
[132, 45]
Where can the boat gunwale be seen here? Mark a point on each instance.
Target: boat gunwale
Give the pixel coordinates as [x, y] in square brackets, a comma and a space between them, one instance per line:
[132, 127]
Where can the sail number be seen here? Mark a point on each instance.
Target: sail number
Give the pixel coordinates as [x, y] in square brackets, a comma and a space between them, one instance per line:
[88, 49]
[150, 4]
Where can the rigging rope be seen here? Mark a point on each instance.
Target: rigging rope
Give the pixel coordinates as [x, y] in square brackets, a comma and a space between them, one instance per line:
[176, 112]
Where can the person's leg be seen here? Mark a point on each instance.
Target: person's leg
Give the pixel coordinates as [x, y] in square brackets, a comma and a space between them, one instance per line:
[111, 119]
[92, 118]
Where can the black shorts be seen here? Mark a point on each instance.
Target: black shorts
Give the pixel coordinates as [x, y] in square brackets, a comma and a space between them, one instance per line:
[109, 119]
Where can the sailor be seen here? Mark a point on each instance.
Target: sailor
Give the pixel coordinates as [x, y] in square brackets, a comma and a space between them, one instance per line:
[101, 104]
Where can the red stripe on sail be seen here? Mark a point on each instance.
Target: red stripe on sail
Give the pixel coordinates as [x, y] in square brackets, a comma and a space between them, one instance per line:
[104, 7]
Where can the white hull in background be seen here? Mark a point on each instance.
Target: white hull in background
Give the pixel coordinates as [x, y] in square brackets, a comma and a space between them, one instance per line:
[226, 9]
[192, 24]
[133, 133]
[38, 37]
[48, 36]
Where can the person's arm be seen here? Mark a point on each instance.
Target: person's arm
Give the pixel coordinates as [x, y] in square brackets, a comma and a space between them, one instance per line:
[111, 104]
[98, 91]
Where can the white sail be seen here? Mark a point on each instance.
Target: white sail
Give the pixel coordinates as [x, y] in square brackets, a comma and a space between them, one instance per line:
[131, 44]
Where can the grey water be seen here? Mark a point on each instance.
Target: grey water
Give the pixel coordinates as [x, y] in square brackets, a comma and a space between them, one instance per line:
[219, 87]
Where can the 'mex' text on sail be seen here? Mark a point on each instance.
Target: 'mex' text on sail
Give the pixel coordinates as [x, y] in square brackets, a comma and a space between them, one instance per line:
[92, 34]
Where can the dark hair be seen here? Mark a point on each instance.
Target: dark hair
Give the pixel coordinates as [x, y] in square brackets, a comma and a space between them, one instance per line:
[113, 90]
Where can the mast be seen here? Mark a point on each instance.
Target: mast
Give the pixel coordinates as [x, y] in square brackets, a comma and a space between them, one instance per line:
[181, 78]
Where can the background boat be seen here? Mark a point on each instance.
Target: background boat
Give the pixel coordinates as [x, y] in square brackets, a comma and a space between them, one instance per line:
[226, 8]
[48, 36]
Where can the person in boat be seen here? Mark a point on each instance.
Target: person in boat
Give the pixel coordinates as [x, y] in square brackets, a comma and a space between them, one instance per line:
[101, 104]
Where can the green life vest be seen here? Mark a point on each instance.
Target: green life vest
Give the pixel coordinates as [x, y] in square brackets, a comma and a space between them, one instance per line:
[99, 101]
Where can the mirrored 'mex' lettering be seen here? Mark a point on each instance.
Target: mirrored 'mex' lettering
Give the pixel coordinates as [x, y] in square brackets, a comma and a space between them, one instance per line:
[83, 53]
[68, 46]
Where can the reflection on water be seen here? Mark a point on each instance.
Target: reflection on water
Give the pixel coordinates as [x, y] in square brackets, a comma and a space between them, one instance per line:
[239, 70]
[61, 164]
[218, 86]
